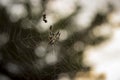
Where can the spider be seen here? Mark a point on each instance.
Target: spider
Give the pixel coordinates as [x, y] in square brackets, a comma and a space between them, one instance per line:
[53, 36]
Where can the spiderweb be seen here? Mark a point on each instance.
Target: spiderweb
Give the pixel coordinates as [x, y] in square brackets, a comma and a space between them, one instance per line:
[28, 52]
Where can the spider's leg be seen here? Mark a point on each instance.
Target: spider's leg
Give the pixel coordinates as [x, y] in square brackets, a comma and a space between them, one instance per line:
[51, 42]
[58, 32]
[51, 28]
[57, 35]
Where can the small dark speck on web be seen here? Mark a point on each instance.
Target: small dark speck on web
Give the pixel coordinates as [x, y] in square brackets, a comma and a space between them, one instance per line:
[44, 18]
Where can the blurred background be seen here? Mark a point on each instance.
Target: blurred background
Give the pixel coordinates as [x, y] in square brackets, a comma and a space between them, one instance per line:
[88, 47]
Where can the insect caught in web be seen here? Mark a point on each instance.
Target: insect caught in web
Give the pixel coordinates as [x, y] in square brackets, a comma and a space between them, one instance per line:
[44, 18]
[53, 36]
